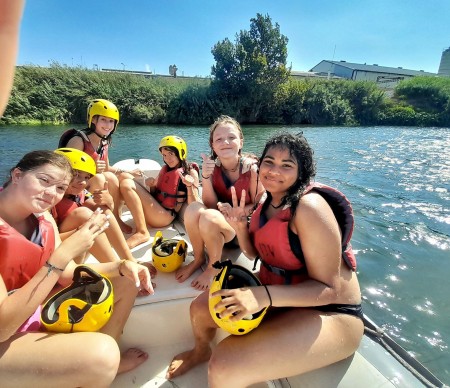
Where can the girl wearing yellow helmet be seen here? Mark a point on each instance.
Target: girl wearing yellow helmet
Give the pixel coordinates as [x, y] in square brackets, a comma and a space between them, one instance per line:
[175, 185]
[308, 276]
[95, 140]
[77, 207]
[34, 262]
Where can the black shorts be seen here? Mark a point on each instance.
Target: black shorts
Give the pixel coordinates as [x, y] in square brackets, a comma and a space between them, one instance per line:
[351, 309]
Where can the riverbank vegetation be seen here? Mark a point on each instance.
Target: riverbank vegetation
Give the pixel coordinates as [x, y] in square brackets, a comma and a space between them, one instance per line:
[250, 81]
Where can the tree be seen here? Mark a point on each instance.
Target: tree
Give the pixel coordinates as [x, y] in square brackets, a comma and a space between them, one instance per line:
[252, 68]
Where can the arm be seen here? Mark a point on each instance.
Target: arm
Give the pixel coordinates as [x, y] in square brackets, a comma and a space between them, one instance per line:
[237, 218]
[19, 306]
[10, 15]
[320, 239]
[256, 190]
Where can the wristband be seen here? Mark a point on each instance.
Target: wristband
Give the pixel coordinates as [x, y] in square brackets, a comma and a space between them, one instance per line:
[205, 177]
[51, 268]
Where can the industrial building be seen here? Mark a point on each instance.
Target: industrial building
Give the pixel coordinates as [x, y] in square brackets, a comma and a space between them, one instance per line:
[385, 77]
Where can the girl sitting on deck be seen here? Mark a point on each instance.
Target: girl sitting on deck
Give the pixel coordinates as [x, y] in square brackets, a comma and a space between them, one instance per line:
[301, 234]
[205, 222]
[175, 185]
[33, 262]
[77, 207]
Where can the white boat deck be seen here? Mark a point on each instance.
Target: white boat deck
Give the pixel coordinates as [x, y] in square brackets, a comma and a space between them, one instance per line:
[160, 325]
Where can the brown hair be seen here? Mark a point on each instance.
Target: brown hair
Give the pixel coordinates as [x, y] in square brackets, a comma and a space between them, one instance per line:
[35, 159]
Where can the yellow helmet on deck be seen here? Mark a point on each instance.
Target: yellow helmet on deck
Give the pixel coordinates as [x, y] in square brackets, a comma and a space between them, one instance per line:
[233, 276]
[169, 254]
[86, 305]
[79, 160]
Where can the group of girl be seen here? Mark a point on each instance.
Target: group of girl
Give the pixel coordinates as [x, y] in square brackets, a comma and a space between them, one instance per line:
[307, 267]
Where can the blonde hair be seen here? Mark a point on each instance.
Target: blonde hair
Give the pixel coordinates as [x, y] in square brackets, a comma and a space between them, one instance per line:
[223, 119]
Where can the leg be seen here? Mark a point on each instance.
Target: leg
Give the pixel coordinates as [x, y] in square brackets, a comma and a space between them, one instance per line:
[192, 216]
[132, 200]
[114, 190]
[215, 232]
[101, 249]
[290, 343]
[54, 360]
[204, 329]
[124, 296]
[155, 215]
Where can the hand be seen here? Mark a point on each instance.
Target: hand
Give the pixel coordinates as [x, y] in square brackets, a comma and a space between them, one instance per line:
[136, 173]
[236, 215]
[187, 179]
[101, 166]
[207, 166]
[138, 274]
[150, 182]
[103, 197]
[239, 303]
[83, 239]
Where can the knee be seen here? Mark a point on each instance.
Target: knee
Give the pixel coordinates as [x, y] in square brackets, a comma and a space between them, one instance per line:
[82, 213]
[126, 185]
[218, 370]
[199, 308]
[103, 359]
[210, 222]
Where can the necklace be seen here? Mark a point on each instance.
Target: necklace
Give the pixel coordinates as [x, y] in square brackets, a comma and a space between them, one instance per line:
[278, 206]
[232, 169]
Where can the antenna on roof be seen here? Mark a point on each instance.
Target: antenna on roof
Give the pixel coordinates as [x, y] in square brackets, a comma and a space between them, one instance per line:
[332, 59]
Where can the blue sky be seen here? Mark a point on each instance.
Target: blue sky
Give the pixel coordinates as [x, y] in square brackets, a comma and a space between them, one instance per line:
[150, 35]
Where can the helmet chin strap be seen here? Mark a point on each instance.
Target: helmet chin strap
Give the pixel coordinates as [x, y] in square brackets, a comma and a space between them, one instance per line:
[102, 137]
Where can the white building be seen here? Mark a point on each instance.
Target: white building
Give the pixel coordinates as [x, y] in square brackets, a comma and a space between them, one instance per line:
[384, 77]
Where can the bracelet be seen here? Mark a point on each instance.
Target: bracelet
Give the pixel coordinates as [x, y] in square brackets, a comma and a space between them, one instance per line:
[268, 294]
[205, 177]
[120, 266]
[51, 268]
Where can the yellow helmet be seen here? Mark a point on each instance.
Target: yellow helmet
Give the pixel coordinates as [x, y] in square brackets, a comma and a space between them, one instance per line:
[168, 255]
[233, 276]
[102, 108]
[79, 160]
[176, 142]
[86, 305]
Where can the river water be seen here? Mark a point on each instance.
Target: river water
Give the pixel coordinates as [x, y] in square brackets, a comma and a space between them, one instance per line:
[398, 180]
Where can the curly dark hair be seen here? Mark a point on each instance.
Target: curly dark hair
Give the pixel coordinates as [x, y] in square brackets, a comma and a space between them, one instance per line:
[302, 152]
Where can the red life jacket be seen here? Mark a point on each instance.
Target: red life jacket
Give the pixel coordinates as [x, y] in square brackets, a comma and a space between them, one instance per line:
[279, 263]
[68, 204]
[100, 154]
[21, 259]
[167, 187]
[223, 191]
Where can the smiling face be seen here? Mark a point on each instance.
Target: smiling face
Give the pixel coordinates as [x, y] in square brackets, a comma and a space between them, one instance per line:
[226, 141]
[79, 182]
[278, 170]
[42, 188]
[103, 125]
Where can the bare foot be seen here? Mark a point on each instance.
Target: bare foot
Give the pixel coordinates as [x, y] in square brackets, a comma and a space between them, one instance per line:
[137, 238]
[125, 228]
[183, 362]
[184, 272]
[131, 359]
[203, 281]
